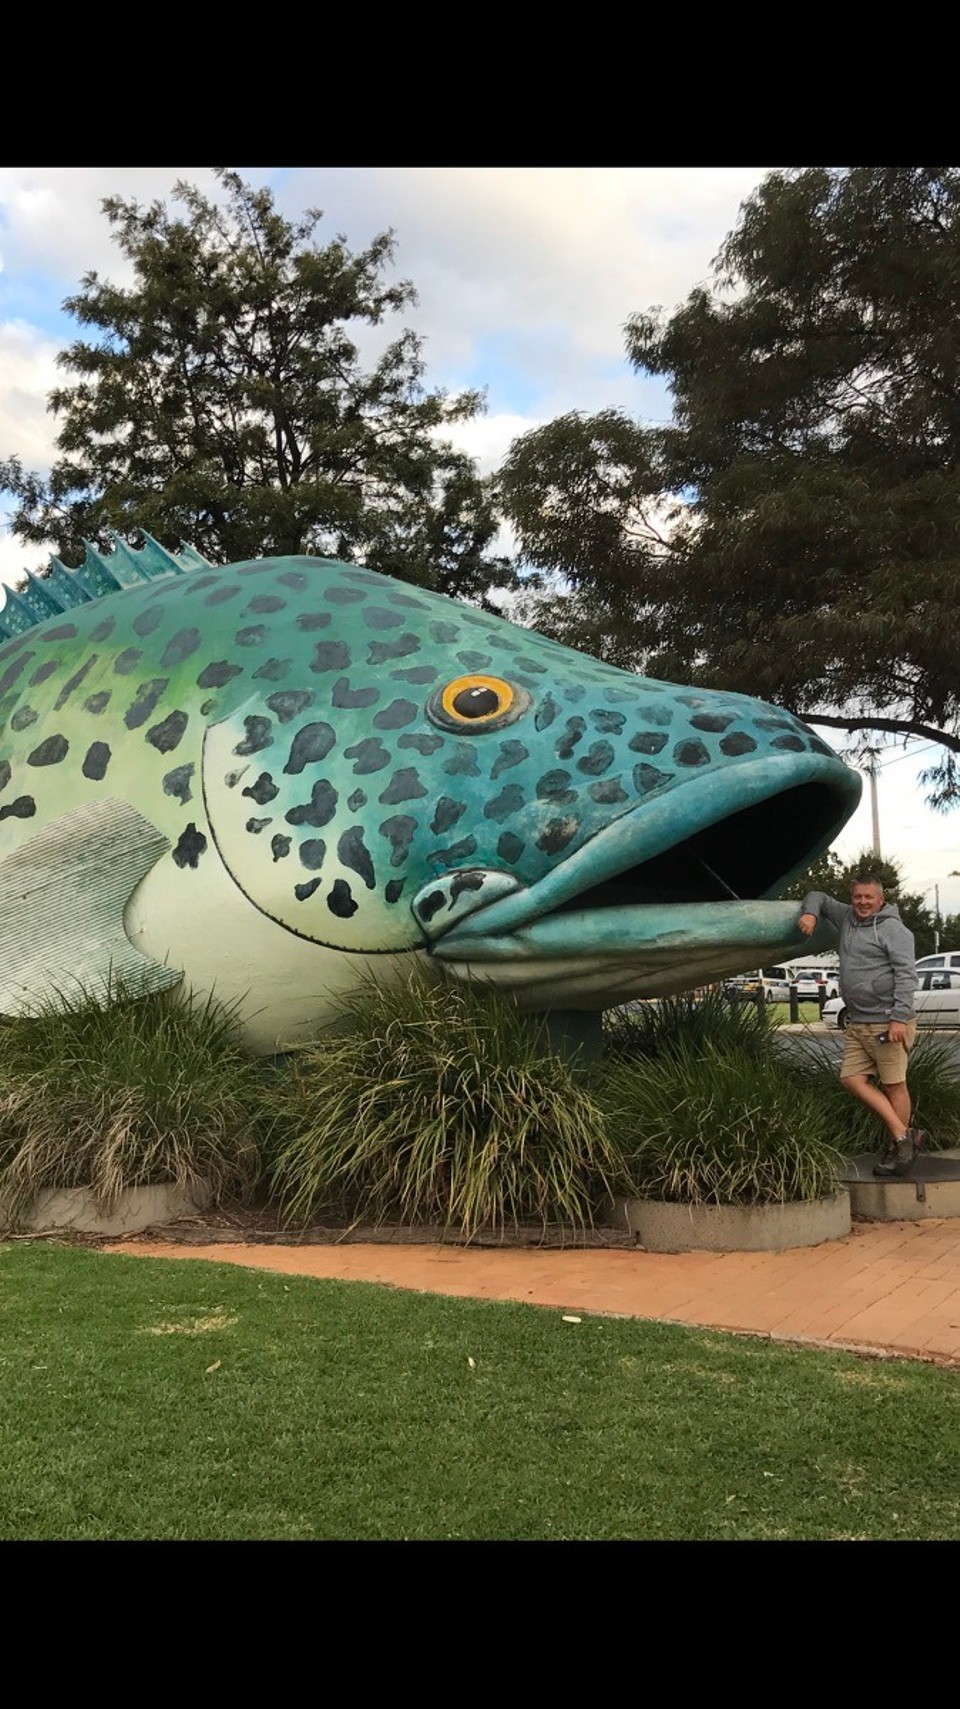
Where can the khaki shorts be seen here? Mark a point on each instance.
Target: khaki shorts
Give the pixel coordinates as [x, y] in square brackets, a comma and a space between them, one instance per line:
[862, 1054]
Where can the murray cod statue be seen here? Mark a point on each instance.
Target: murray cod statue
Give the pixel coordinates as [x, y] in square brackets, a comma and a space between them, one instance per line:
[263, 778]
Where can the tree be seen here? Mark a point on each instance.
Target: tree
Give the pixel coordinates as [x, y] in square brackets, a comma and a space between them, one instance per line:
[221, 400]
[795, 531]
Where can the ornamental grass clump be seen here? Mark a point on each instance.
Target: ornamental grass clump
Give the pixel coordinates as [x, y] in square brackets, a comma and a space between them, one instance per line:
[435, 1103]
[932, 1082]
[139, 1093]
[705, 1124]
[654, 1029]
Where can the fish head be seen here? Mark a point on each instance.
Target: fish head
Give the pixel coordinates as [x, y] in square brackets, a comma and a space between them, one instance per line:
[423, 775]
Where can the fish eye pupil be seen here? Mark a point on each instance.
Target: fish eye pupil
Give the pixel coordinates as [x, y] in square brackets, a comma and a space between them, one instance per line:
[476, 702]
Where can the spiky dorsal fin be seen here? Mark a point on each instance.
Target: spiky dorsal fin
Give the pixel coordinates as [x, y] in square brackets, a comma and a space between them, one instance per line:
[58, 589]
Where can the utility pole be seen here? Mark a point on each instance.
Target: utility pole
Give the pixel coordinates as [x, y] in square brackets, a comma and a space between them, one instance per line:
[936, 924]
[874, 809]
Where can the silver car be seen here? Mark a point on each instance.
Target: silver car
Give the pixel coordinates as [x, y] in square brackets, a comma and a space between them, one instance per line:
[936, 1002]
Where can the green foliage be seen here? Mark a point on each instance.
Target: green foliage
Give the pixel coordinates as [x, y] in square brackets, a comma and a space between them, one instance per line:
[933, 1085]
[651, 1031]
[443, 1104]
[139, 1093]
[220, 399]
[793, 532]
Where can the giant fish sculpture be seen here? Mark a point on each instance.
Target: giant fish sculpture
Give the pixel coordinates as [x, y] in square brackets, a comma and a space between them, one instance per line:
[264, 777]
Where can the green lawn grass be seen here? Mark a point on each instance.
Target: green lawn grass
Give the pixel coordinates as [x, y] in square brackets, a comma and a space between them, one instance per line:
[147, 1399]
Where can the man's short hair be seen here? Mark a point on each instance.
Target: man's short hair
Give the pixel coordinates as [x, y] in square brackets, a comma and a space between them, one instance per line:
[867, 878]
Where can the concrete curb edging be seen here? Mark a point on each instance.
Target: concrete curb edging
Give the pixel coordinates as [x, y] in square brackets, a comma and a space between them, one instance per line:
[137, 1208]
[662, 1227]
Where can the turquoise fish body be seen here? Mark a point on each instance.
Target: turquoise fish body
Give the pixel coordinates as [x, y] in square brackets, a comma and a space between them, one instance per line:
[265, 776]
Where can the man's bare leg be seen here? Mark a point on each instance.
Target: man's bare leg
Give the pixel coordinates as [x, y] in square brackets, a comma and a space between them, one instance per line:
[878, 1101]
[899, 1097]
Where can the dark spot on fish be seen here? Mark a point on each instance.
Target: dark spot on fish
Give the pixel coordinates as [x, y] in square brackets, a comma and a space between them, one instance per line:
[310, 621]
[354, 855]
[419, 674]
[280, 847]
[257, 825]
[23, 718]
[259, 735]
[510, 800]
[657, 714]
[379, 651]
[574, 734]
[74, 681]
[40, 674]
[598, 760]
[647, 777]
[648, 742]
[312, 853]
[304, 891]
[23, 808]
[370, 755]
[179, 647]
[294, 579]
[97, 702]
[404, 785]
[190, 847]
[260, 568]
[127, 661]
[408, 600]
[557, 833]
[253, 636]
[106, 628]
[691, 753]
[546, 712]
[144, 703]
[608, 791]
[166, 735]
[554, 786]
[264, 602]
[62, 632]
[447, 813]
[263, 791]
[208, 706]
[713, 721]
[510, 847]
[394, 716]
[319, 810]
[511, 753]
[310, 745]
[616, 696]
[379, 617]
[273, 670]
[531, 665]
[773, 723]
[177, 782]
[399, 832]
[818, 747]
[146, 621]
[330, 656]
[5, 773]
[474, 661]
[340, 901]
[16, 666]
[215, 675]
[456, 853]
[794, 743]
[574, 693]
[608, 723]
[344, 695]
[50, 752]
[96, 760]
[340, 595]
[690, 699]
[232, 778]
[462, 761]
[444, 632]
[220, 594]
[424, 744]
[394, 889]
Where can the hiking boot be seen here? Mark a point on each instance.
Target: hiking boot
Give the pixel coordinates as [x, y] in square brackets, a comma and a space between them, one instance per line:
[901, 1154]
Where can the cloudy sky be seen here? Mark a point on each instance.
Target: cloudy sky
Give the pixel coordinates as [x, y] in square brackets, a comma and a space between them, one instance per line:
[525, 277]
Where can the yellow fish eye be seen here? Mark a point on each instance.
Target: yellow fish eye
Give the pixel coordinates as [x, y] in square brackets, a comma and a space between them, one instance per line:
[477, 702]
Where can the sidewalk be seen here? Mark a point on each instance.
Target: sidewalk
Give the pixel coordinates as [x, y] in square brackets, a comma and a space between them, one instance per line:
[889, 1288]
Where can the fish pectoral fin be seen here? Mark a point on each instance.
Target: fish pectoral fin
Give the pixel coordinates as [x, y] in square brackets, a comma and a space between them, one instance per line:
[62, 898]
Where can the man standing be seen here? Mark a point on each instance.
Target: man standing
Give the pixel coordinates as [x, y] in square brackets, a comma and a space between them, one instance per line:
[878, 977]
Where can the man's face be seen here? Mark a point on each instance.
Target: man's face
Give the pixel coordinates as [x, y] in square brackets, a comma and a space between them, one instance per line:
[866, 899]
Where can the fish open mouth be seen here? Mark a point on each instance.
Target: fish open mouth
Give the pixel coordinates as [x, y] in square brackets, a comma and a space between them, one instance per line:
[672, 894]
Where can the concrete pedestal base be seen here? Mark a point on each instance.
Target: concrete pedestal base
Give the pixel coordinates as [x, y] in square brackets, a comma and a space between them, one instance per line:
[137, 1208]
[661, 1227]
[932, 1189]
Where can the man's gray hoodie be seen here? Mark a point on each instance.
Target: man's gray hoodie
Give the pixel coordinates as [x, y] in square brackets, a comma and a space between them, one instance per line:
[878, 973]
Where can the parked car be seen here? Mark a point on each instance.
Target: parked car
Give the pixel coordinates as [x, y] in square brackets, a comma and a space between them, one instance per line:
[948, 958]
[936, 1001]
[810, 981]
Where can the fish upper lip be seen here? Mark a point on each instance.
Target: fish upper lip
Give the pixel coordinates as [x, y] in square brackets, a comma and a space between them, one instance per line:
[654, 827]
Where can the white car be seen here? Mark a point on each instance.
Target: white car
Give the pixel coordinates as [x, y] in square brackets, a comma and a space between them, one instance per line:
[936, 1001]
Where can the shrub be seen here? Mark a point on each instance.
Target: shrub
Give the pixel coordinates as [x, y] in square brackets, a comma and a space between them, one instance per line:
[438, 1103]
[652, 1030]
[934, 1093]
[141, 1092]
[709, 1123]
